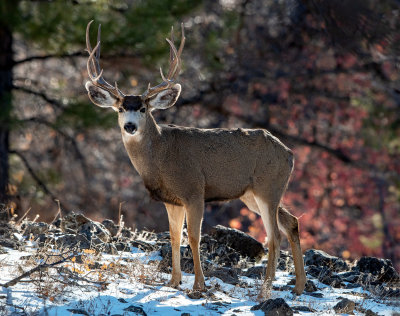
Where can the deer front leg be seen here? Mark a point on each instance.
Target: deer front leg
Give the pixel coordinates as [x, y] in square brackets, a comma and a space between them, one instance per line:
[194, 217]
[176, 215]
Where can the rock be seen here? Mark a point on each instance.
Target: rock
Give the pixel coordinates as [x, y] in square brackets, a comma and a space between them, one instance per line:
[255, 272]
[320, 258]
[195, 295]
[350, 276]
[218, 252]
[2, 251]
[314, 271]
[303, 309]
[310, 287]
[111, 226]
[241, 242]
[135, 309]
[80, 224]
[276, 307]
[345, 306]
[73, 240]
[227, 275]
[313, 294]
[326, 276]
[35, 228]
[382, 269]
[10, 243]
[145, 246]
[78, 311]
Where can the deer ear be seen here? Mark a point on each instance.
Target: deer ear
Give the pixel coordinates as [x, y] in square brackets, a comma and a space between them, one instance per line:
[99, 96]
[167, 98]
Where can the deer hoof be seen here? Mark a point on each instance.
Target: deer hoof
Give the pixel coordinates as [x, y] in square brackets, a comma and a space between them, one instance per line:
[174, 283]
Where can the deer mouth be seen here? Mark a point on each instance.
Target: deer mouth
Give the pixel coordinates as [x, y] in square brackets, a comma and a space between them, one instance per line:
[130, 128]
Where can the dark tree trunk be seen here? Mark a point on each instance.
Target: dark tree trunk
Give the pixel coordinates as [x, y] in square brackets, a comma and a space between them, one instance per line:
[6, 64]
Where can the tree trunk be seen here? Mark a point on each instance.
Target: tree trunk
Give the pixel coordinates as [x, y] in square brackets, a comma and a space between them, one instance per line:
[6, 64]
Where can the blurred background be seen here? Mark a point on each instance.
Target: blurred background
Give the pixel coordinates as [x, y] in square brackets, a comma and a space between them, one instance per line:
[321, 75]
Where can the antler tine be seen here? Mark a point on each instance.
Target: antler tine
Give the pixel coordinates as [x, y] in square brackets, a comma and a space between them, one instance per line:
[98, 40]
[93, 65]
[175, 63]
[171, 56]
[89, 48]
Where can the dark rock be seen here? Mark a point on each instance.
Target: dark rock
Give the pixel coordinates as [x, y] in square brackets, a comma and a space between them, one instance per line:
[320, 258]
[78, 311]
[325, 275]
[122, 246]
[276, 307]
[227, 275]
[135, 309]
[35, 228]
[310, 287]
[10, 243]
[241, 242]
[303, 309]
[195, 295]
[255, 272]
[122, 300]
[80, 224]
[144, 246]
[350, 276]
[345, 306]
[313, 294]
[350, 286]
[218, 252]
[185, 314]
[73, 240]
[314, 271]
[382, 269]
[126, 233]
[111, 226]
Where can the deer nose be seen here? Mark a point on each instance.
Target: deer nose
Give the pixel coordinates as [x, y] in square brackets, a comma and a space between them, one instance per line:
[130, 128]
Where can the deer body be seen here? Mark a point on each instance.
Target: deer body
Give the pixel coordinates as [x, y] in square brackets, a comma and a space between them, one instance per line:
[210, 161]
[184, 167]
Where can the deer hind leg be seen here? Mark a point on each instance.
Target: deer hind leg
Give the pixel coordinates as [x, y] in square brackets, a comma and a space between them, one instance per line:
[176, 216]
[289, 225]
[268, 208]
[194, 217]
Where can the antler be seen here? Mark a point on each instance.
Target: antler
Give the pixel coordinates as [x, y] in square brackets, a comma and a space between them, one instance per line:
[93, 66]
[174, 68]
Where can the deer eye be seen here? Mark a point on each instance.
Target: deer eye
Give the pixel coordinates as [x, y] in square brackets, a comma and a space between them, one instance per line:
[120, 110]
[142, 110]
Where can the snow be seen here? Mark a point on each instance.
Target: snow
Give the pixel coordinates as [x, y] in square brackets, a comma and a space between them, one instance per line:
[134, 281]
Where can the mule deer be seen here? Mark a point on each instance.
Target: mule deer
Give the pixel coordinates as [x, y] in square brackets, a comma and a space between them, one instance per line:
[185, 166]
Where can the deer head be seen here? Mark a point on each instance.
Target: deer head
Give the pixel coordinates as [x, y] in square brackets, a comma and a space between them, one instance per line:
[133, 110]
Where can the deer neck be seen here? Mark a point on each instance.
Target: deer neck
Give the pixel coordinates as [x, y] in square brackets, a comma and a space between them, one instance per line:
[144, 146]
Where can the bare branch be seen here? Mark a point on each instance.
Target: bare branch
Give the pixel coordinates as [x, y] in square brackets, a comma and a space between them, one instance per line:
[69, 138]
[35, 176]
[56, 103]
[40, 267]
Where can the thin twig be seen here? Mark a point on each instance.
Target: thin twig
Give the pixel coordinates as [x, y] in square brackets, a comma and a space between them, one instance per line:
[59, 211]
[40, 267]
[23, 216]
